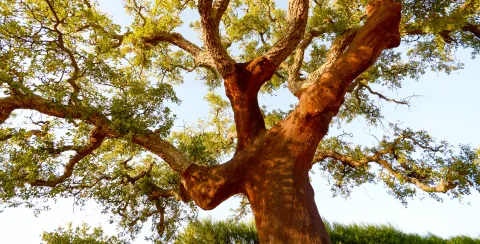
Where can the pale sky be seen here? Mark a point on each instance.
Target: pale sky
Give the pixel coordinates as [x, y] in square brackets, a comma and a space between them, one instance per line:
[448, 110]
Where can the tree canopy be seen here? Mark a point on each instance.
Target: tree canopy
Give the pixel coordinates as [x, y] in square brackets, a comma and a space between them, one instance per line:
[79, 235]
[85, 104]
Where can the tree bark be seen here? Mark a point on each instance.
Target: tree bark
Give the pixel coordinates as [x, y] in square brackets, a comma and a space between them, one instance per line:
[271, 167]
[278, 186]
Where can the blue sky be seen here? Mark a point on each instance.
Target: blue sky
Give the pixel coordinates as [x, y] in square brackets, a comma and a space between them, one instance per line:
[447, 109]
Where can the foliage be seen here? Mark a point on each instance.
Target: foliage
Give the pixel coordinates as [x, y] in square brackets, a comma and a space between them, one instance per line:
[79, 235]
[217, 232]
[363, 234]
[208, 231]
[409, 160]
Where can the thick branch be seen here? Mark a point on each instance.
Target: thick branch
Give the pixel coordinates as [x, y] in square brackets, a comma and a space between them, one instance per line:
[381, 31]
[174, 38]
[219, 8]
[55, 109]
[211, 36]
[161, 212]
[295, 67]
[297, 21]
[474, 29]
[242, 89]
[179, 194]
[210, 186]
[148, 139]
[297, 86]
[4, 113]
[164, 149]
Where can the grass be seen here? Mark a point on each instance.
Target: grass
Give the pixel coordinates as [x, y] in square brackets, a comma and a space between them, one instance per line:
[210, 231]
[373, 234]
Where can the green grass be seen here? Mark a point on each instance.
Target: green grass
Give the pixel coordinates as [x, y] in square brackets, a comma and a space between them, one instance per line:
[209, 231]
[373, 234]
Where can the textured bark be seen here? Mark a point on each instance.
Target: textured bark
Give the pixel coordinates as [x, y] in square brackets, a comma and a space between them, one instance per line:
[271, 167]
[242, 87]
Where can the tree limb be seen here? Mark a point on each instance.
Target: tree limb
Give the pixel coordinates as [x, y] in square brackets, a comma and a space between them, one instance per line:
[295, 85]
[295, 67]
[61, 44]
[443, 186]
[445, 34]
[218, 9]
[28, 133]
[173, 38]
[381, 96]
[148, 139]
[381, 31]
[474, 29]
[95, 142]
[297, 21]
[211, 35]
[201, 57]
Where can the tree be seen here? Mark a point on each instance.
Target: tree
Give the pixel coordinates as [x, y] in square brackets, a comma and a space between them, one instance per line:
[79, 235]
[84, 106]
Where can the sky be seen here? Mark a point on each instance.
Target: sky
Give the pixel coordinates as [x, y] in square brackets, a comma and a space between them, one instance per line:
[447, 108]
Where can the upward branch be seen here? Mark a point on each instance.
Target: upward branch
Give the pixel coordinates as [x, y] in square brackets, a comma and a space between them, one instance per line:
[210, 20]
[381, 31]
[295, 84]
[243, 85]
[297, 21]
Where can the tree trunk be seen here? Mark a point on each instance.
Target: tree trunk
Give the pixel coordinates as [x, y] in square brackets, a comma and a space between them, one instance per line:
[271, 166]
[273, 174]
[285, 210]
[278, 186]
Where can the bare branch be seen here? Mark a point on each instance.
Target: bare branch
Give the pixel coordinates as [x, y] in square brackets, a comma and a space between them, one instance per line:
[381, 96]
[295, 67]
[297, 21]
[218, 9]
[211, 37]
